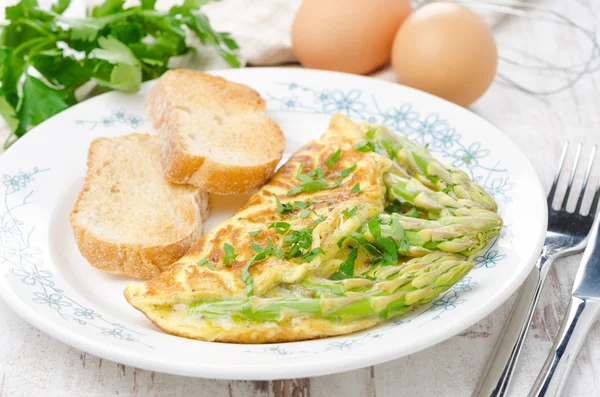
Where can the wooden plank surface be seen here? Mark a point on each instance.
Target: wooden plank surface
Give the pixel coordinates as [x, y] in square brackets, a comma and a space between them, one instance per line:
[32, 363]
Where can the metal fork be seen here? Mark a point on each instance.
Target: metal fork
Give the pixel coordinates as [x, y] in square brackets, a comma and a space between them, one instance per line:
[567, 234]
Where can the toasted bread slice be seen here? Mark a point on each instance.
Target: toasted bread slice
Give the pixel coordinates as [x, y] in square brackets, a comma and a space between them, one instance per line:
[214, 133]
[127, 219]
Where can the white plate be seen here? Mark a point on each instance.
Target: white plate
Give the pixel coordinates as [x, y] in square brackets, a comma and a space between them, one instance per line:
[46, 281]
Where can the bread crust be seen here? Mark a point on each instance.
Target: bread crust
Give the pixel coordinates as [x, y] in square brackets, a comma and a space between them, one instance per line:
[164, 106]
[134, 260]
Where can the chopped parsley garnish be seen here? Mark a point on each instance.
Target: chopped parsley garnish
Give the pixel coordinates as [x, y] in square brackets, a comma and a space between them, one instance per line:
[202, 262]
[261, 253]
[396, 206]
[364, 146]
[230, 254]
[280, 227]
[403, 243]
[298, 242]
[389, 239]
[311, 255]
[347, 267]
[301, 204]
[283, 208]
[345, 172]
[330, 162]
[350, 213]
[389, 253]
[413, 212]
[356, 188]
[371, 132]
[405, 209]
[385, 147]
[315, 180]
[211, 266]
[254, 233]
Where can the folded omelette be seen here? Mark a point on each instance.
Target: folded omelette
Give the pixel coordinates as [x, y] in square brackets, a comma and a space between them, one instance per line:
[355, 228]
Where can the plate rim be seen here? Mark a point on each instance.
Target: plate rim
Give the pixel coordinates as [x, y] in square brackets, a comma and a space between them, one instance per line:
[320, 367]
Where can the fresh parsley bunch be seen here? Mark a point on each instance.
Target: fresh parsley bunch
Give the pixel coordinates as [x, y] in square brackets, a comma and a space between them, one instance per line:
[119, 48]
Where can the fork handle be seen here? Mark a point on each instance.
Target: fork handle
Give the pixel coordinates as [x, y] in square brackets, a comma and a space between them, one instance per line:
[580, 317]
[496, 377]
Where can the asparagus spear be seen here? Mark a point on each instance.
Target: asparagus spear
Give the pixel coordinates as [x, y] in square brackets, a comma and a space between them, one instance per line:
[392, 291]
[416, 161]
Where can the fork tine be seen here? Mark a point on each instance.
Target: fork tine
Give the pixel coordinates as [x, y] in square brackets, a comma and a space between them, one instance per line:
[594, 206]
[565, 200]
[561, 162]
[586, 179]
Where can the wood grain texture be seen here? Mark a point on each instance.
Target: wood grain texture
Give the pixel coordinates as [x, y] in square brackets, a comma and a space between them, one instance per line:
[32, 363]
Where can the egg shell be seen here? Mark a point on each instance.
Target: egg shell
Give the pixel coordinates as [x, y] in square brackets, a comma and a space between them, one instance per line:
[447, 50]
[353, 36]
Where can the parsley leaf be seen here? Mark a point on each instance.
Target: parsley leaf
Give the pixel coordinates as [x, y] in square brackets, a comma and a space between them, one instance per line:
[311, 255]
[390, 255]
[280, 227]
[283, 208]
[403, 243]
[254, 233]
[395, 206]
[198, 23]
[297, 243]
[300, 204]
[347, 171]
[202, 262]
[371, 132]
[126, 75]
[315, 180]
[32, 110]
[330, 162]
[363, 242]
[374, 228]
[364, 146]
[347, 267]
[356, 188]
[261, 253]
[61, 6]
[230, 254]
[413, 212]
[350, 213]
[107, 8]
[211, 266]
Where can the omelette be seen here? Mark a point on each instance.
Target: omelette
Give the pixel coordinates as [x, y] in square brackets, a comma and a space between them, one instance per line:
[355, 228]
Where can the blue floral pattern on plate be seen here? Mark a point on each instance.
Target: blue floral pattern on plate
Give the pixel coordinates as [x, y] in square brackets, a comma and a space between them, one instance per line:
[26, 261]
[118, 116]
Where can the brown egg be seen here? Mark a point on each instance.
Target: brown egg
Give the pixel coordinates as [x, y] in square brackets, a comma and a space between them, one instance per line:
[447, 50]
[353, 36]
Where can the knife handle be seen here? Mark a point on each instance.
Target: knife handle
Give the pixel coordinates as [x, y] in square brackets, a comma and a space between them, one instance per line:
[581, 315]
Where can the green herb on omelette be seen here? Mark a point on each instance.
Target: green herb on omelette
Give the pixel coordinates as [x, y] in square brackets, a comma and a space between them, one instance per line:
[202, 262]
[330, 162]
[316, 180]
[229, 255]
[350, 213]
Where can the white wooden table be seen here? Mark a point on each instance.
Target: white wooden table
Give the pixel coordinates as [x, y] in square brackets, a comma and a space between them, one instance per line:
[32, 363]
